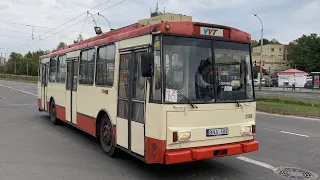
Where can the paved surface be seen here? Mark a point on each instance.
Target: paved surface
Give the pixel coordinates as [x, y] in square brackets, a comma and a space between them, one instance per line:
[32, 148]
[288, 94]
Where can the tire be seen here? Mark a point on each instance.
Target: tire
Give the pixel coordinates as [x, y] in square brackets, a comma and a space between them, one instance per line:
[53, 113]
[106, 137]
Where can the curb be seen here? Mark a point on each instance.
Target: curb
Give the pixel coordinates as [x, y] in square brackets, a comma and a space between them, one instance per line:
[313, 92]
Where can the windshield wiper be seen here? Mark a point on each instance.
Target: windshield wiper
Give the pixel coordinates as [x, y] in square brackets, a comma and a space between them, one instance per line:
[181, 95]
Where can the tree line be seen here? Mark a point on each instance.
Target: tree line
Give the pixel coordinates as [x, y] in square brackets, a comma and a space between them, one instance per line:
[27, 64]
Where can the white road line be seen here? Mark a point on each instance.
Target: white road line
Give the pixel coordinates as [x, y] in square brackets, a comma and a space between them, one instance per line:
[287, 116]
[19, 90]
[22, 104]
[255, 162]
[294, 134]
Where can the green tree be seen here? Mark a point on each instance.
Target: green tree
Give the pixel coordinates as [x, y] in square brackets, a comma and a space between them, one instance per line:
[254, 43]
[61, 45]
[305, 53]
[19, 64]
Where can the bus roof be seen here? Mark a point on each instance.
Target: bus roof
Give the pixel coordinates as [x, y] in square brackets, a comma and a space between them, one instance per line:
[196, 29]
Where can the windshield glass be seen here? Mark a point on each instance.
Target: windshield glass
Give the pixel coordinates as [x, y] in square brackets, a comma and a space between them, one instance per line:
[189, 70]
[233, 71]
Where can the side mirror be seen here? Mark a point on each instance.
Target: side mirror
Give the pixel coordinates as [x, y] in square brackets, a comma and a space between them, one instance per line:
[146, 64]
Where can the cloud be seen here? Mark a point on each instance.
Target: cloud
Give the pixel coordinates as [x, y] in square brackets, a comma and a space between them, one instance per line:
[4, 6]
[284, 20]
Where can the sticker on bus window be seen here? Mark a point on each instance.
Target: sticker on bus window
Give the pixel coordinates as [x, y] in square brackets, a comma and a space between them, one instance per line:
[227, 88]
[171, 95]
[110, 66]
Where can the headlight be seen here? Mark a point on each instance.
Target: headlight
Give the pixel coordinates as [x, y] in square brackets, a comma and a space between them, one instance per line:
[184, 135]
[246, 130]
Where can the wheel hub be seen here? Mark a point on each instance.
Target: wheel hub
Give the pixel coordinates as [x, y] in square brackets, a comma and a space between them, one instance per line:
[107, 135]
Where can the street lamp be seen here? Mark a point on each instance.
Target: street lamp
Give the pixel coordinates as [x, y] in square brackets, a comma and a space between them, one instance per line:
[260, 50]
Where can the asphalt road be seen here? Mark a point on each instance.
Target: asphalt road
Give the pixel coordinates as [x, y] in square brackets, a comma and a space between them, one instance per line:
[288, 94]
[32, 148]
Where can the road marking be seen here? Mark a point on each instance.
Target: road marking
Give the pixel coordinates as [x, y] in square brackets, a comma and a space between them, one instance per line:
[22, 104]
[294, 134]
[255, 162]
[287, 116]
[19, 90]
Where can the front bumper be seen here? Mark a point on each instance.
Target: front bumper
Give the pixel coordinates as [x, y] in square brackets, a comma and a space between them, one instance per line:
[200, 153]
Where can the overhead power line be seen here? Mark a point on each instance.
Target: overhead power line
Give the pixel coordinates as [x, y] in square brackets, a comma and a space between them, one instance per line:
[20, 32]
[42, 27]
[66, 22]
[76, 23]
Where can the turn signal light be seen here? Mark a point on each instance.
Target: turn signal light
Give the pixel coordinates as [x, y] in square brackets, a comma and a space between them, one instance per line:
[253, 129]
[175, 137]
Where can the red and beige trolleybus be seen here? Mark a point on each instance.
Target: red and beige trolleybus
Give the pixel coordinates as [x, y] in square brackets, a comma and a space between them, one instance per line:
[166, 93]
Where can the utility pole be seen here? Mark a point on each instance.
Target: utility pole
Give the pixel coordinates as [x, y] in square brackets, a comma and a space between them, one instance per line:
[260, 84]
[27, 67]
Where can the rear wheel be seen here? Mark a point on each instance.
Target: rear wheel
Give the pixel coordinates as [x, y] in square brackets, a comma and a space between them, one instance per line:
[53, 113]
[107, 141]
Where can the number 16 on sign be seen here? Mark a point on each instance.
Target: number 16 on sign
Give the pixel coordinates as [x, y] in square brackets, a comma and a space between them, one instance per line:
[171, 95]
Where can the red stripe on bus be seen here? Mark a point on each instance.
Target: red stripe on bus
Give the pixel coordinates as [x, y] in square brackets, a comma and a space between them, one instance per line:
[155, 150]
[87, 124]
[200, 153]
[39, 104]
[61, 112]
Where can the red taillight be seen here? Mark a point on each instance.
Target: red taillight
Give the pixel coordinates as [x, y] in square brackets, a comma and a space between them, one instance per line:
[253, 129]
[174, 136]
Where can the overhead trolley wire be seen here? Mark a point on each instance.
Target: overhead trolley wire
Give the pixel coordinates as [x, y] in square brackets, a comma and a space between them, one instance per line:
[76, 23]
[65, 23]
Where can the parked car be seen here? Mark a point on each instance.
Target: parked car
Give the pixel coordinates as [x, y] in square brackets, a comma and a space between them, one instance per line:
[308, 84]
[257, 81]
[274, 83]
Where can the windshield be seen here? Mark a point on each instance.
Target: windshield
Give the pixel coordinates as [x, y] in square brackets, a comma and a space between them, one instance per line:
[190, 70]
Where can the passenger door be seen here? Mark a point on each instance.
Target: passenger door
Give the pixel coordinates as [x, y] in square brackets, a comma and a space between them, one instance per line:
[71, 90]
[44, 85]
[131, 102]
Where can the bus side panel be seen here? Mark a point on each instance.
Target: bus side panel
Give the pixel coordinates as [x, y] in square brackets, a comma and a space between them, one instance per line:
[57, 92]
[155, 133]
[39, 95]
[90, 101]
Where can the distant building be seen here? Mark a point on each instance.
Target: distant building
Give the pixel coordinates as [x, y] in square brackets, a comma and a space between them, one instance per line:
[2, 61]
[273, 57]
[164, 17]
[290, 76]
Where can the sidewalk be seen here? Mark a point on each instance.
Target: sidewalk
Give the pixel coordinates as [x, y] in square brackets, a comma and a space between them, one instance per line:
[289, 89]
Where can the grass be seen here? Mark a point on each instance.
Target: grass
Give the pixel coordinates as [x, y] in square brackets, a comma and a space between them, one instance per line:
[289, 106]
[19, 80]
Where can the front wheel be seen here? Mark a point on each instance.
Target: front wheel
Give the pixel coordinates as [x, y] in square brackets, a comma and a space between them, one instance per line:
[53, 113]
[107, 140]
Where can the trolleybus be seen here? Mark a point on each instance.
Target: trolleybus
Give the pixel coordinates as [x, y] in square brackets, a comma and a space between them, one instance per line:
[166, 93]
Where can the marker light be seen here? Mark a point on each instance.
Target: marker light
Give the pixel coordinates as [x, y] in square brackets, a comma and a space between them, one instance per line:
[167, 27]
[184, 135]
[246, 130]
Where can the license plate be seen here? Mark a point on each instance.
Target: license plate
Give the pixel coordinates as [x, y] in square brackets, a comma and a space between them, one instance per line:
[217, 132]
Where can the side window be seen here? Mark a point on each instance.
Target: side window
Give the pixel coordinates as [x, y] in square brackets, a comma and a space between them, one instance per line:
[105, 65]
[156, 79]
[61, 69]
[53, 70]
[86, 74]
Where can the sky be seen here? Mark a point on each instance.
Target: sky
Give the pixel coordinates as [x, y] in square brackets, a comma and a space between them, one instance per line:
[63, 20]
